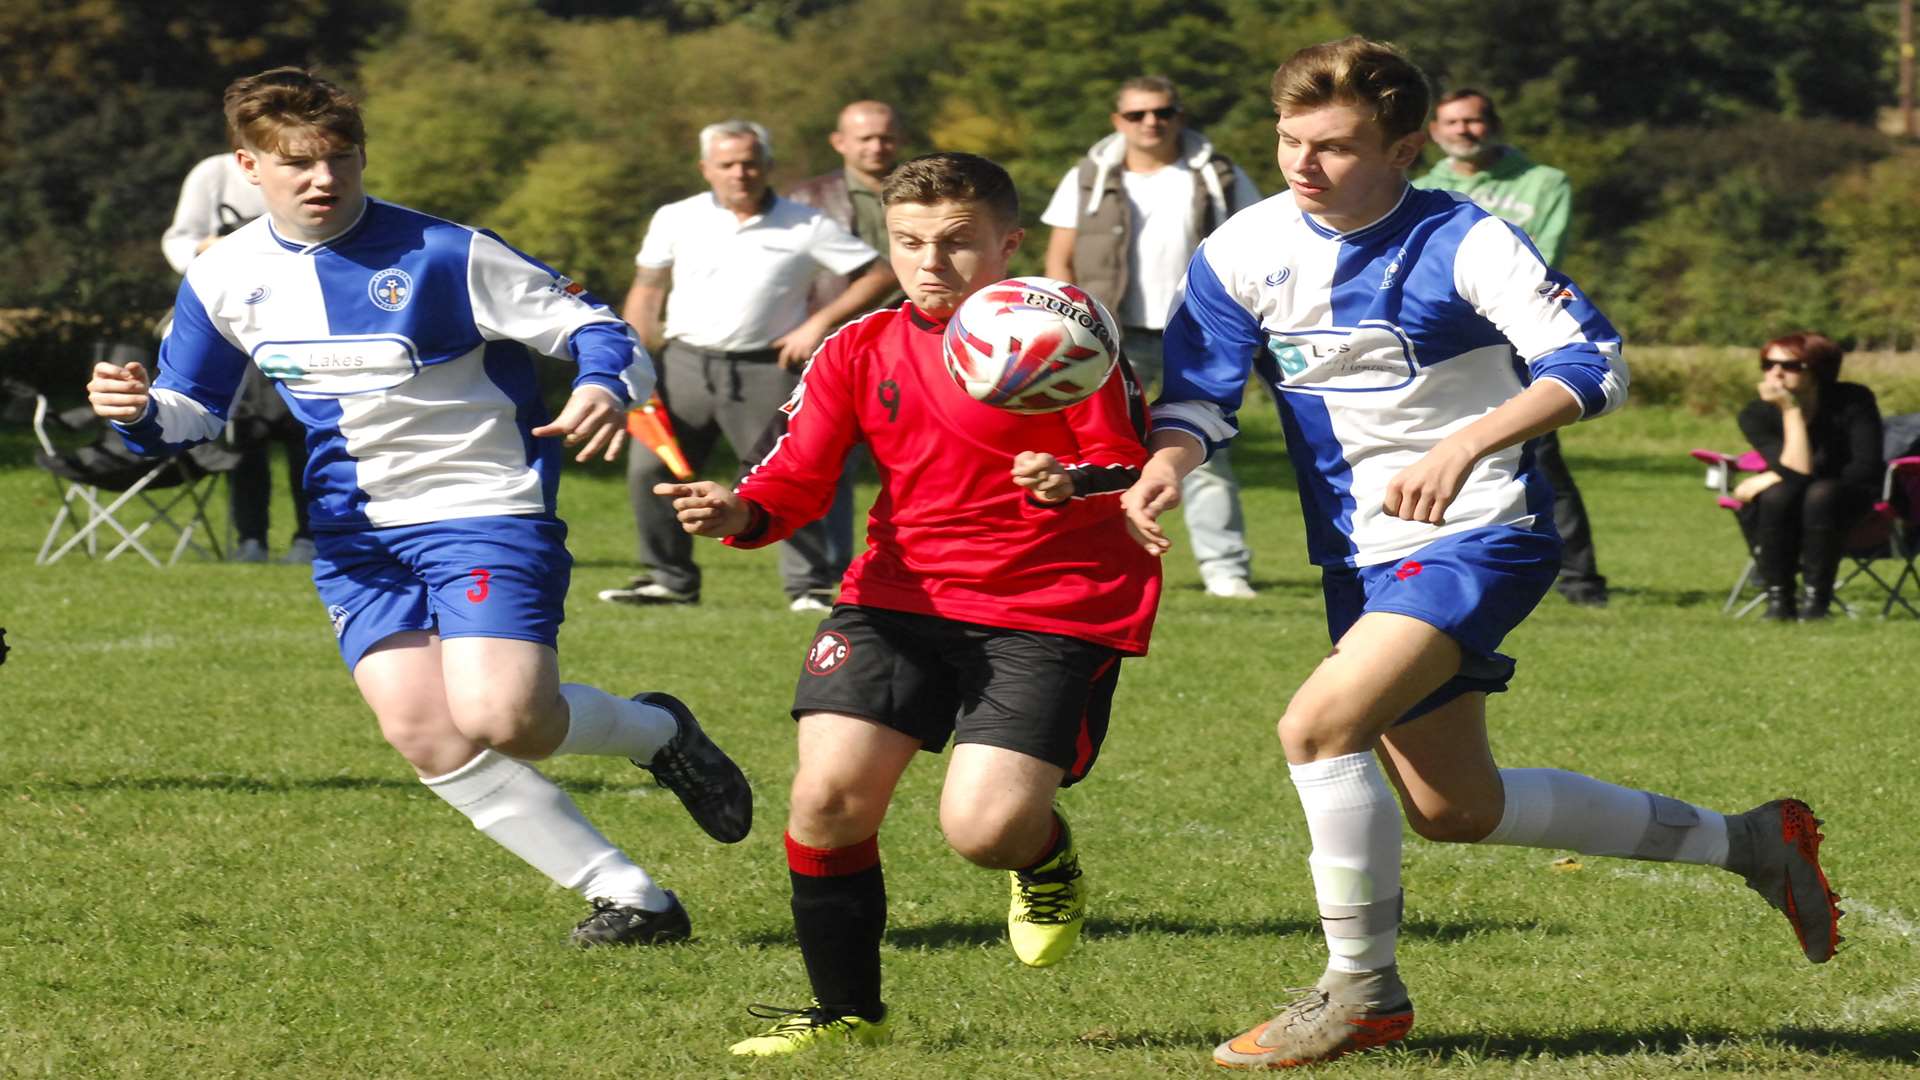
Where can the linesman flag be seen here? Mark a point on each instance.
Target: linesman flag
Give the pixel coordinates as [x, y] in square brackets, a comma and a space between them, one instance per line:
[650, 427]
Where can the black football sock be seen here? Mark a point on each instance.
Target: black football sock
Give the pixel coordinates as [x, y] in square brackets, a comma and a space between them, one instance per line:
[839, 916]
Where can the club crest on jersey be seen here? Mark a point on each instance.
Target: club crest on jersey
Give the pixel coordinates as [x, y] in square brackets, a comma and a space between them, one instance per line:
[339, 616]
[1393, 269]
[390, 289]
[829, 653]
[260, 292]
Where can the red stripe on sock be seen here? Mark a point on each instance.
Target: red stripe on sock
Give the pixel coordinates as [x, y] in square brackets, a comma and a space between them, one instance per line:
[832, 862]
[1050, 848]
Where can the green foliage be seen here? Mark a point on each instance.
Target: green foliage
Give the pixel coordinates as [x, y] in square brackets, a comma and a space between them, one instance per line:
[1872, 219]
[1712, 235]
[1603, 63]
[571, 170]
[104, 106]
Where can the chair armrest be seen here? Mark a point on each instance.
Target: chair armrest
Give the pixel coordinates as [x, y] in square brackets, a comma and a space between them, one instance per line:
[1720, 467]
[1896, 468]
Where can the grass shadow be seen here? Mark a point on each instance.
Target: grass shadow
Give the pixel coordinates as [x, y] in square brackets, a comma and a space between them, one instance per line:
[986, 932]
[1890, 1044]
[241, 784]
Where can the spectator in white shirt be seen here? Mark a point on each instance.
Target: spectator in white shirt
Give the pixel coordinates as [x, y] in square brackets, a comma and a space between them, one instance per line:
[736, 333]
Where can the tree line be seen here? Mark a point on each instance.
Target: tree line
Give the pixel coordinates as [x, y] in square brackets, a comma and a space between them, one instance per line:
[1729, 180]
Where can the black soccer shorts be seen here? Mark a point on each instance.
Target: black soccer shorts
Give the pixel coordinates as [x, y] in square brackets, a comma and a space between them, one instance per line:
[1044, 695]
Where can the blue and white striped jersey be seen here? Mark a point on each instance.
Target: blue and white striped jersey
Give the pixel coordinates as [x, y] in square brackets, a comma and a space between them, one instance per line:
[1380, 343]
[401, 344]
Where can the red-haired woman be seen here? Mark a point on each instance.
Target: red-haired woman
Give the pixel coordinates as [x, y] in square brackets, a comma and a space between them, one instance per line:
[1821, 440]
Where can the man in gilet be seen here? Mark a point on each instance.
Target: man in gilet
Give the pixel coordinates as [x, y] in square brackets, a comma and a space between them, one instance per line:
[1125, 221]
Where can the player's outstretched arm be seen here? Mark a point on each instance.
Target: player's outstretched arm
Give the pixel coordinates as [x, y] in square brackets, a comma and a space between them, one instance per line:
[1174, 455]
[1043, 476]
[708, 509]
[119, 393]
[592, 417]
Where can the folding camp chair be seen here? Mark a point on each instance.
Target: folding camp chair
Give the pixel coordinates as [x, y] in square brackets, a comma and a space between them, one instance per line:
[170, 495]
[1901, 495]
[1890, 529]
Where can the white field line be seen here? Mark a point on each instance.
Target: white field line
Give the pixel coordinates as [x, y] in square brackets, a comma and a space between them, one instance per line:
[1862, 915]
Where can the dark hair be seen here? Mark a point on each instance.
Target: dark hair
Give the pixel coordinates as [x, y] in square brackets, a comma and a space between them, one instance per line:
[1373, 75]
[1465, 92]
[953, 177]
[1821, 353]
[1150, 84]
[267, 111]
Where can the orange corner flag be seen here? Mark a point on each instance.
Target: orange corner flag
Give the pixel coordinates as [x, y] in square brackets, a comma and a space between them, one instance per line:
[649, 425]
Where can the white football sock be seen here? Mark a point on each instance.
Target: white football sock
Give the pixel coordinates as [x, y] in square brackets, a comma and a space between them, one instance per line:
[599, 723]
[1355, 825]
[529, 815]
[1550, 808]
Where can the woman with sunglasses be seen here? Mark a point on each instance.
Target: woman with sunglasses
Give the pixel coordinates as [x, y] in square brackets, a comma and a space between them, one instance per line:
[1821, 441]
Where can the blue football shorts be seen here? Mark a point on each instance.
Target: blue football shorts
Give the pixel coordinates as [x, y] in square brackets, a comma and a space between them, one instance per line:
[1474, 586]
[503, 577]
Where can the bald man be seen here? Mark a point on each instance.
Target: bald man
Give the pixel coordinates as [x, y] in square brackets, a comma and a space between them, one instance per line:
[867, 139]
[868, 142]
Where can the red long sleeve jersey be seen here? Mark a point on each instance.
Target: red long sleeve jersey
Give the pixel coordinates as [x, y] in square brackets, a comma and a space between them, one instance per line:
[951, 534]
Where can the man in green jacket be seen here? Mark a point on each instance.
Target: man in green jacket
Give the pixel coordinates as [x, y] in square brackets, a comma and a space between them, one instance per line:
[1499, 177]
[1537, 198]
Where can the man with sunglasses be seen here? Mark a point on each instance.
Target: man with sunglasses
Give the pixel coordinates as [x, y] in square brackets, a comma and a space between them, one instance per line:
[1125, 221]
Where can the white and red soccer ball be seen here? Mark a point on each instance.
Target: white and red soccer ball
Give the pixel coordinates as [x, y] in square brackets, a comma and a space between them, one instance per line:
[1030, 345]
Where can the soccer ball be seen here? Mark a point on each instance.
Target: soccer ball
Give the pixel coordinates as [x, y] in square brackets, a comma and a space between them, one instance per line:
[1030, 345]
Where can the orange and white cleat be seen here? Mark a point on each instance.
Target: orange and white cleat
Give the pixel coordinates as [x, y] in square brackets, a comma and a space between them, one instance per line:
[1776, 848]
[1314, 1028]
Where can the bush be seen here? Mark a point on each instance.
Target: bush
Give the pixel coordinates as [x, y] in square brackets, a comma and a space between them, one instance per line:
[1872, 216]
[1719, 380]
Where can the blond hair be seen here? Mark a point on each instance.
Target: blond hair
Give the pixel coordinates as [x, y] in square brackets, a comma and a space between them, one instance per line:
[1372, 75]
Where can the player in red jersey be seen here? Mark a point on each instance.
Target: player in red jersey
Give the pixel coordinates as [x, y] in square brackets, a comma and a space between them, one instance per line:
[998, 593]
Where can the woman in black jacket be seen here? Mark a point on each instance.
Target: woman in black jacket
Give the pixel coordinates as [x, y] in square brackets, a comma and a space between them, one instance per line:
[1821, 440]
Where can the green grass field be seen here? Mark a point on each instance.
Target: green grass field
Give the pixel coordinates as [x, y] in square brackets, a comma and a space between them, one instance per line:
[213, 867]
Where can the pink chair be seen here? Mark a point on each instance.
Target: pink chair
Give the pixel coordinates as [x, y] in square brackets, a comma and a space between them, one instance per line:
[1890, 530]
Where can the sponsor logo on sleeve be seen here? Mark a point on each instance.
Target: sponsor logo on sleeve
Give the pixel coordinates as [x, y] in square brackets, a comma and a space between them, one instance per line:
[563, 285]
[1556, 293]
[390, 289]
[1280, 276]
[259, 293]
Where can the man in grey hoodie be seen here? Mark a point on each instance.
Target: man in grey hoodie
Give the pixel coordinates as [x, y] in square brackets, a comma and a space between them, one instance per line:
[1125, 221]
